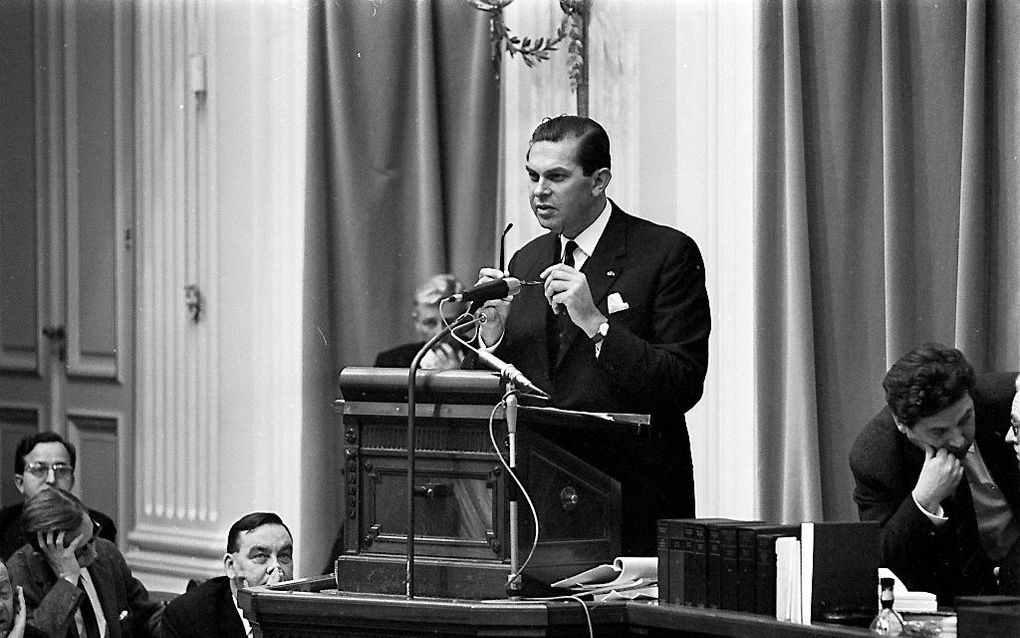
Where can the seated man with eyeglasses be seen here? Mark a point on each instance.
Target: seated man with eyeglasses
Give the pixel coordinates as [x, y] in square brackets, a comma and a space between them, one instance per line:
[76, 583]
[42, 460]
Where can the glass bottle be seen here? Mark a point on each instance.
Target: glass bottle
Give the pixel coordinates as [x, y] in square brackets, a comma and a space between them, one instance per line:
[888, 622]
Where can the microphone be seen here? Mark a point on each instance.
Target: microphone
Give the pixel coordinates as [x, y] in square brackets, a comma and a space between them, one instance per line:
[511, 373]
[496, 289]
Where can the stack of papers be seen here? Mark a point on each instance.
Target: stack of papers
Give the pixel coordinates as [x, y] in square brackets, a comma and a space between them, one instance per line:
[916, 602]
[628, 578]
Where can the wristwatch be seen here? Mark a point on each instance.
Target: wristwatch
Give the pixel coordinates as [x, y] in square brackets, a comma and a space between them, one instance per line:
[601, 333]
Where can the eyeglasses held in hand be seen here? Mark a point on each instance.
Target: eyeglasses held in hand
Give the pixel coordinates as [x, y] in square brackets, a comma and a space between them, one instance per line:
[41, 470]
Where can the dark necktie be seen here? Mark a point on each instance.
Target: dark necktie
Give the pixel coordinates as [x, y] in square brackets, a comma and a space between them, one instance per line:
[564, 326]
[88, 614]
[568, 253]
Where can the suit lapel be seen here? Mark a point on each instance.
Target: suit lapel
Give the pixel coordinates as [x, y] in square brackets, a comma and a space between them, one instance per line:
[228, 621]
[533, 312]
[1001, 462]
[102, 579]
[605, 264]
[602, 268]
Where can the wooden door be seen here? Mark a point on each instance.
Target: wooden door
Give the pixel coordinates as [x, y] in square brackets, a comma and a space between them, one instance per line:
[66, 254]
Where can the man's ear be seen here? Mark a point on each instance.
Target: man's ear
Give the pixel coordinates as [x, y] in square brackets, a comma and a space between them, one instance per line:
[19, 482]
[228, 566]
[899, 426]
[602, 177]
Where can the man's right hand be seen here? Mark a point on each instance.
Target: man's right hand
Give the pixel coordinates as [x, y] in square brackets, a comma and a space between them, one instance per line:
[61, 559]
[495, 311]
[940, 475]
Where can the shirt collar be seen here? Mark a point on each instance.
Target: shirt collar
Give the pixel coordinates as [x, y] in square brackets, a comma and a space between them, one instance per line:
[244, 621]
[588, 238]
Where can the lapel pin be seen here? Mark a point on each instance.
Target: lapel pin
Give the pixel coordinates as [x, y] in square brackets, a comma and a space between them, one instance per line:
[610, 273]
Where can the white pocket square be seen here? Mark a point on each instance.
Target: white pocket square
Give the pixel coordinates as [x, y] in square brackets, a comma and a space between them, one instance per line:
[615, 303]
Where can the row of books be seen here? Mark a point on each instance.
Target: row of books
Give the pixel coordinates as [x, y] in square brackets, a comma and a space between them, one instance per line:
[732, 564]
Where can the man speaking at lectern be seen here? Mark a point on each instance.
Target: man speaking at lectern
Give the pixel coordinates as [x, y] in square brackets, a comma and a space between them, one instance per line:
[620, 323]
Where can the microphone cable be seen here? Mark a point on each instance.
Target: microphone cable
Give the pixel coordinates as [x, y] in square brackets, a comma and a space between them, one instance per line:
[517, 480]
[534, 516]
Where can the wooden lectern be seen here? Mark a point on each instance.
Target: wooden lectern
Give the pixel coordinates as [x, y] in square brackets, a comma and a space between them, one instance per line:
[463, 492]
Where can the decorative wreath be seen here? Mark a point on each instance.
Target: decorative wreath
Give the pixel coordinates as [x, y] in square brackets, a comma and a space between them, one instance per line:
[533, 51]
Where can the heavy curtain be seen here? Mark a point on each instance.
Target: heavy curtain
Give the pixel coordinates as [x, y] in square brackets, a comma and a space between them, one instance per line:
[886, 215]
[402, 175]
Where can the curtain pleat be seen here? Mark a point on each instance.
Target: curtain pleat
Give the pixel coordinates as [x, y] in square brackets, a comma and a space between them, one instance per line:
[900, 191]
[408, 154]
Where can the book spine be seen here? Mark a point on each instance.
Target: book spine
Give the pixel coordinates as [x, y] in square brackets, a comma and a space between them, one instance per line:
[662, 552]
[713, 565]
[729, 596]
[747, 567]
[677, 568]
[765, 575]
[695, 563]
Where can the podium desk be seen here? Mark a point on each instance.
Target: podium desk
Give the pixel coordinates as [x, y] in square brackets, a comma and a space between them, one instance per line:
[313, 607]
[470, 518]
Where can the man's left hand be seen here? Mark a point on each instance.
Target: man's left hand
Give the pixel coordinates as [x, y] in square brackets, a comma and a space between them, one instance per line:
[20, 614]
[274, 576]
[1014, 413]
[1014, 420]
[567, 287]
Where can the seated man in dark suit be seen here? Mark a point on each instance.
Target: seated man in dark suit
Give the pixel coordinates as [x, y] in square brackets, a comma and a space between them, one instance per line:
[428, 321]
[42, 460]
[936, 471]
[76, 583]
[260, 551]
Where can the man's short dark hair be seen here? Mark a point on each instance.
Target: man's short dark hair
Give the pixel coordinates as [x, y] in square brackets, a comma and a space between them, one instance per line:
[29, 442]
[249, 522]
[593, 141]
[925, 381]
[51, 510]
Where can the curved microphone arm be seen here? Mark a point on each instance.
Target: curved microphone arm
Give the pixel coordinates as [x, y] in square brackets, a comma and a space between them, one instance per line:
[460, 322]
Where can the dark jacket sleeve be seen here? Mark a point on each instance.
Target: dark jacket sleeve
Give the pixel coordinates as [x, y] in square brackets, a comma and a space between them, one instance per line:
[910, 544]
[168, 623]
[50, 602]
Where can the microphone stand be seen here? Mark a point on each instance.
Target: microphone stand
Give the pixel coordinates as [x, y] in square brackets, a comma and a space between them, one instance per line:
[513, 585]
[412, 374]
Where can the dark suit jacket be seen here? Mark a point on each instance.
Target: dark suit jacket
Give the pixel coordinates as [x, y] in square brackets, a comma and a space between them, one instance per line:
[399, 357]
[947, 560]
[11, 537]
[653, 361]
[52, 601]
[206, 611]
[402, 356]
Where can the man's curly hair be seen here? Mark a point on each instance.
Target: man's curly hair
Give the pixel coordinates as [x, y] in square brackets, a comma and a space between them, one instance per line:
[925, 381]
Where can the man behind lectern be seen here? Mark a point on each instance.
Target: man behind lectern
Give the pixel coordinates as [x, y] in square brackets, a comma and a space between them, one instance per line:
[620, 323]
[937, 469]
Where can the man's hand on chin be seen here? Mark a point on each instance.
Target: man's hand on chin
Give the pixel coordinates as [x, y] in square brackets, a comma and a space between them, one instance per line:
[940, 475]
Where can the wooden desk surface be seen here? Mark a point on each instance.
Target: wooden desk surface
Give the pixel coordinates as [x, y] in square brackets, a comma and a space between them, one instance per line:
[312, 608]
